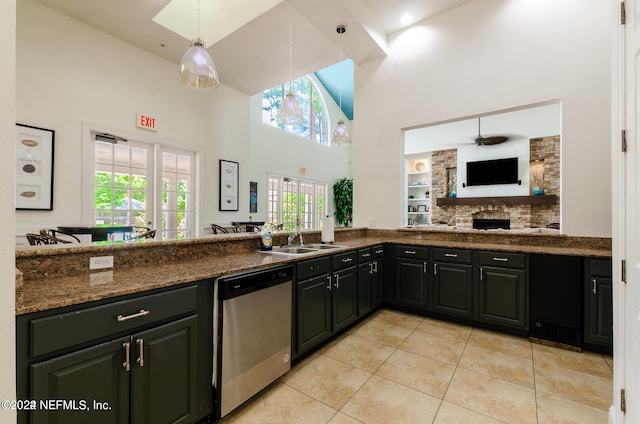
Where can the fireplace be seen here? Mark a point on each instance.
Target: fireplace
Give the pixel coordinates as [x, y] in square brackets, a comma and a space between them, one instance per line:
[491, 224]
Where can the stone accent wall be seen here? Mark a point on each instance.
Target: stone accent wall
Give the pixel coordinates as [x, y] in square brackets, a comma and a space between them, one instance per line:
[546, 150]
[543, 149]
[441, 161]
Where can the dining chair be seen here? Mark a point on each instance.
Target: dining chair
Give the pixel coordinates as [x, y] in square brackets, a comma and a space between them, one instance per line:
[142, 233]
[217, 229]
[59, 236]
[39, 239]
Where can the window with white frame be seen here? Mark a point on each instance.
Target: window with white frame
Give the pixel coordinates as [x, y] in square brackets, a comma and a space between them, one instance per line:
[314, 119]
[293, 203]
[143, 184]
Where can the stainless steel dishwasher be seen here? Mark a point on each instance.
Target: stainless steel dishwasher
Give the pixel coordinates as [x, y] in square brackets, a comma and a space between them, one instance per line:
[254, 333]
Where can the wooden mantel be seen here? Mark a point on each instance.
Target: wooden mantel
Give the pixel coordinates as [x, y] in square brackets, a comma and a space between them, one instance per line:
[503, 200]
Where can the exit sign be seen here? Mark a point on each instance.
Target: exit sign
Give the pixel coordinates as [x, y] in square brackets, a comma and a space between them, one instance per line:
[146, 122]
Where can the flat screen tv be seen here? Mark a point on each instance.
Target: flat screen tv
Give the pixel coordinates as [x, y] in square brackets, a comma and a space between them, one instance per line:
[496, 171]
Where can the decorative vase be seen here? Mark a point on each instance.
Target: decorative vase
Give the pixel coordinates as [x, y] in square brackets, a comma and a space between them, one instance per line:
[453, 194]
[537, 191]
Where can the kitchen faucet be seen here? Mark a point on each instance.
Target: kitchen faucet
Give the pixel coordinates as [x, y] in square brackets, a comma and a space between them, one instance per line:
[293, 236]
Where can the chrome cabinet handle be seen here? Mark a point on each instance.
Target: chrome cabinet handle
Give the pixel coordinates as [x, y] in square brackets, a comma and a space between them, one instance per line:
[501, 259]
[451, 255]
[126, 364]
[366, 255]
[329, 285]
[140, 360]
[375, 266]
[595, 288]
[435, 269]
[337, 280]
[410, 252]
[371, 268]
[346, 260]
[379, 251]
[481, 274]
[142, 313]
[424, 267]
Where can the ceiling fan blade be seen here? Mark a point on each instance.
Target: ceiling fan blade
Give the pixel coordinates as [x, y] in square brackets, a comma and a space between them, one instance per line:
[488, 141]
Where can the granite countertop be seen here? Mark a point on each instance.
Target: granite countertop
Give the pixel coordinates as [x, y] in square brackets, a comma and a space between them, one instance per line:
[156, 265]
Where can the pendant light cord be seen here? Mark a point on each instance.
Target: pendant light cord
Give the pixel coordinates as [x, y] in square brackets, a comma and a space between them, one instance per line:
[198, 19]
[290, 51]
[340, 71]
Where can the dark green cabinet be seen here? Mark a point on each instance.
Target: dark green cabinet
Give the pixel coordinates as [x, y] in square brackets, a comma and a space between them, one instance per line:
[326, 299]
[74, 377]
[344, 297]
[370, 278]
[313, 312]
[453, 289]
[411, 276]
[452, 292]
[145, 359]
[149, 377]
[377, 275]
[503, 289]
[598, 318]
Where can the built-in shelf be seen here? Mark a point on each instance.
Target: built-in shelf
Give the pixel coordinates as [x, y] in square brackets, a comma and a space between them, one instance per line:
[503, 200]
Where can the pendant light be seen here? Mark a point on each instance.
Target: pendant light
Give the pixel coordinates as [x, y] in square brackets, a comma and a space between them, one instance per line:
[290, 112]
[196, 67]
[340, 136]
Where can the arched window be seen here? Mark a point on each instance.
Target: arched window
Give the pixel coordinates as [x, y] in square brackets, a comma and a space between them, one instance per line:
[314, 119]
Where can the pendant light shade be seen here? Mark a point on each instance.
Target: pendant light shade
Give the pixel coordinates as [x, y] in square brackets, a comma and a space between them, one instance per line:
[290, 112]
[340, 135]
[196, 67]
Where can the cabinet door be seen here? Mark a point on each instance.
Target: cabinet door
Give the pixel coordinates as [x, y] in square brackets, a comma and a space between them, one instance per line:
[411, 282]
[313, 309]
[95, 374]
[365, 280]
[600, 313]
[376, 282]
[164, 379]
[453, 289]
[345, 298]
[503, 296]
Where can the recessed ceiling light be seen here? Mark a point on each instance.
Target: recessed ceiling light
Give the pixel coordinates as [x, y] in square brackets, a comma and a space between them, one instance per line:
[406, 19]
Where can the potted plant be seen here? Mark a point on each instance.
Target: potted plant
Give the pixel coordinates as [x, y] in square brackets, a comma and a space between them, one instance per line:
[343, 198]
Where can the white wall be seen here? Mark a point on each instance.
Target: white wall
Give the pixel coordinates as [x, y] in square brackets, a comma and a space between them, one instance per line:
[485, 56]
[70, 74]
[275, 151]
[7, 206]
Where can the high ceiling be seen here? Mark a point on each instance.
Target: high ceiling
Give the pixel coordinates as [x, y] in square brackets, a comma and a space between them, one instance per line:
[251, 50]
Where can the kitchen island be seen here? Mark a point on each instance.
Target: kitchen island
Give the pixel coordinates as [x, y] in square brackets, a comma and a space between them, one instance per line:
[49, 277]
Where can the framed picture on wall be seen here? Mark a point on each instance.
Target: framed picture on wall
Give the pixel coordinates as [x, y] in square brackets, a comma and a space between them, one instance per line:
[34, 168]
[228, 185]
[253, 197]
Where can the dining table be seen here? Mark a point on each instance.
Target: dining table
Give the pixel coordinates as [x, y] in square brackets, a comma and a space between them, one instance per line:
[98, 232]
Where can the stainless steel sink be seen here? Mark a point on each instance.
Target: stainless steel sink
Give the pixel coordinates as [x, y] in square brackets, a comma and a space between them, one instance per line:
[320, 246]
[302, 250]
[292, 250]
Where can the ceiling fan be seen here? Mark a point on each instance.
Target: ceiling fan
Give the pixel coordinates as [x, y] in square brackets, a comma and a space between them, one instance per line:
[488, 141]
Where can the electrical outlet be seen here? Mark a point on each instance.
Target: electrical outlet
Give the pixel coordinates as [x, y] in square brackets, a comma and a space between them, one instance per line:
[101, 262]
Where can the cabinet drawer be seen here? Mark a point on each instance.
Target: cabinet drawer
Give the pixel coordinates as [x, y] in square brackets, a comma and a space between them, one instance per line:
[412, 252]
[599, 267]
[452, 255]
[365, 255]
[502, 259]
[313, 268]
[344, 260]
[377, 252]
[84, 325]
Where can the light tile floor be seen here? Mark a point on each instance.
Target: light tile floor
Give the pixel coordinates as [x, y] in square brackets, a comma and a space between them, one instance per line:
[402, 368]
